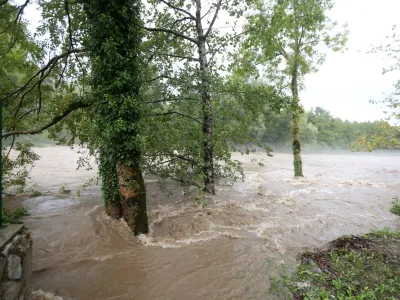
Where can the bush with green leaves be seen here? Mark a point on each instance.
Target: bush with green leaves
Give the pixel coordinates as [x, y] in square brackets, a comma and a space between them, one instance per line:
[14, 216]
[15, 170]
[396, 206]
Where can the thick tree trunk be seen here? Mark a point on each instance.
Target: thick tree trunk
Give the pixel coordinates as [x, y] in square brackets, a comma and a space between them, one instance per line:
[208, 166]
[296, 147]
[133, 197]
[113, 40]
[110, 181]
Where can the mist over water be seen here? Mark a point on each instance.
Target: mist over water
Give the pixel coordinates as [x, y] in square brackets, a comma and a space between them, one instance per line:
[219, 252]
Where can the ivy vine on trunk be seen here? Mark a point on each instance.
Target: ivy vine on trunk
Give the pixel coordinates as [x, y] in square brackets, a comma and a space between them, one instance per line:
[114, 38]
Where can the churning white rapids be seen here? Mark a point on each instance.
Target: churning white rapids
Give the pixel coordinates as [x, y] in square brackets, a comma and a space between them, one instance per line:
[219, 252]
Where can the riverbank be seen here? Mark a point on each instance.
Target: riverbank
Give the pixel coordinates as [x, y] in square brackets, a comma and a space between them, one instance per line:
[350, 267]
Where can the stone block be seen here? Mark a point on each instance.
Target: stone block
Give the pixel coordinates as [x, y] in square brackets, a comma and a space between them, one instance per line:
[14, 267]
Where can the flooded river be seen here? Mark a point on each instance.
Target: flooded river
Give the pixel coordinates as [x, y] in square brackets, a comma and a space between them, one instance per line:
[220, 252]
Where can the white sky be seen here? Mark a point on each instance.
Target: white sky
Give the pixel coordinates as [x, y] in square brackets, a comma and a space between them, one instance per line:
[347, 81]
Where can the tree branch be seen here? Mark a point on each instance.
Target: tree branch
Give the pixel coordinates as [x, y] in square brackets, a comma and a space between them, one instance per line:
[227, 41]
[171, 100]
[185, 158]
[54, 121]
[214, 18]
[44, 73]
[176, 56]
[19, 14]
[186, 182]
[71, 45]
[172, 32]
[178, 9]
[174, 113]
[49, 64]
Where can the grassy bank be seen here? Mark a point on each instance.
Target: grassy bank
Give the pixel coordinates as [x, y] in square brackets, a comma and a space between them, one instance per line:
[350, 267]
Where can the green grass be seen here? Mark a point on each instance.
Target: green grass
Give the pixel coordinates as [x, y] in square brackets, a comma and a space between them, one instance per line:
[64, 190]
[14, 216]
[348, 268]
[35, 193]
[396, 207]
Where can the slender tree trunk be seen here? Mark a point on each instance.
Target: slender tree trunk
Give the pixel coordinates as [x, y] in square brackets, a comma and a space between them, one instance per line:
[208, 167]
[296, 147]
[114, 43]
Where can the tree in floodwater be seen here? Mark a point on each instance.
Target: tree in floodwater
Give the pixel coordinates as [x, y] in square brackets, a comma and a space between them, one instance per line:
[198, 116]
[75, 96]
[283, 36]
[113, 41]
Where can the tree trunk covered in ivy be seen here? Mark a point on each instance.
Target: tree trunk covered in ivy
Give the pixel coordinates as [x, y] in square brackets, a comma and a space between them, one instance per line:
[208, 163]
[113, 41]
[296, 147]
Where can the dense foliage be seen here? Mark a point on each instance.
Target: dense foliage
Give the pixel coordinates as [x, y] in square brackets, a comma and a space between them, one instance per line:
[197, 116]
[14, 216]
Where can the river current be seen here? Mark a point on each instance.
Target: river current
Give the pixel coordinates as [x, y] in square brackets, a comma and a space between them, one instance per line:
[223, 251]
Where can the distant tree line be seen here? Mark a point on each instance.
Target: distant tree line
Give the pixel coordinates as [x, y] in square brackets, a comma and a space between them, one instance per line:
[318, 129]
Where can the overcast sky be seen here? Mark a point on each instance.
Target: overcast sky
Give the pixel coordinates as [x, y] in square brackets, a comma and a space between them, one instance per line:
[347, 81]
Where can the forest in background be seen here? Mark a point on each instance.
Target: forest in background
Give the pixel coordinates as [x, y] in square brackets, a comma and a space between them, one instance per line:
[320, 131]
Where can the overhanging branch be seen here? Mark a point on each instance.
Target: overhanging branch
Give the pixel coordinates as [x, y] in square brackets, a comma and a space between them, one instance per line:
[54, 121]
[49, 64]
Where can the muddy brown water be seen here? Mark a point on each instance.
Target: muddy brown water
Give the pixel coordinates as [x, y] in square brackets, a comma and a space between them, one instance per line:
[221, 252]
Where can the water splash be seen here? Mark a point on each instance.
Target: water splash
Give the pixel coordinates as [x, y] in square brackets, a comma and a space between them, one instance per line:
[40, 295]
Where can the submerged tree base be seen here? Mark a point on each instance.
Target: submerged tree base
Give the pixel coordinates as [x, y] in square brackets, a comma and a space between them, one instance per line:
[351, 267]
[114, 210]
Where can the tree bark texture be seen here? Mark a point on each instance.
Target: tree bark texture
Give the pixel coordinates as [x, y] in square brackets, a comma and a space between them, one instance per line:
[133, 197]
[208, 166]
[296, 147]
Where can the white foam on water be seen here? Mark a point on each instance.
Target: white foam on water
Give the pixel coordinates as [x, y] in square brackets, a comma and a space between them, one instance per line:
[361, 183]
[102, 258]
[262, 229]
[200, 237]
[301, 192]
[303, 180]
[40, 295]
[275, 244]
[93, 210]
[168, 211]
